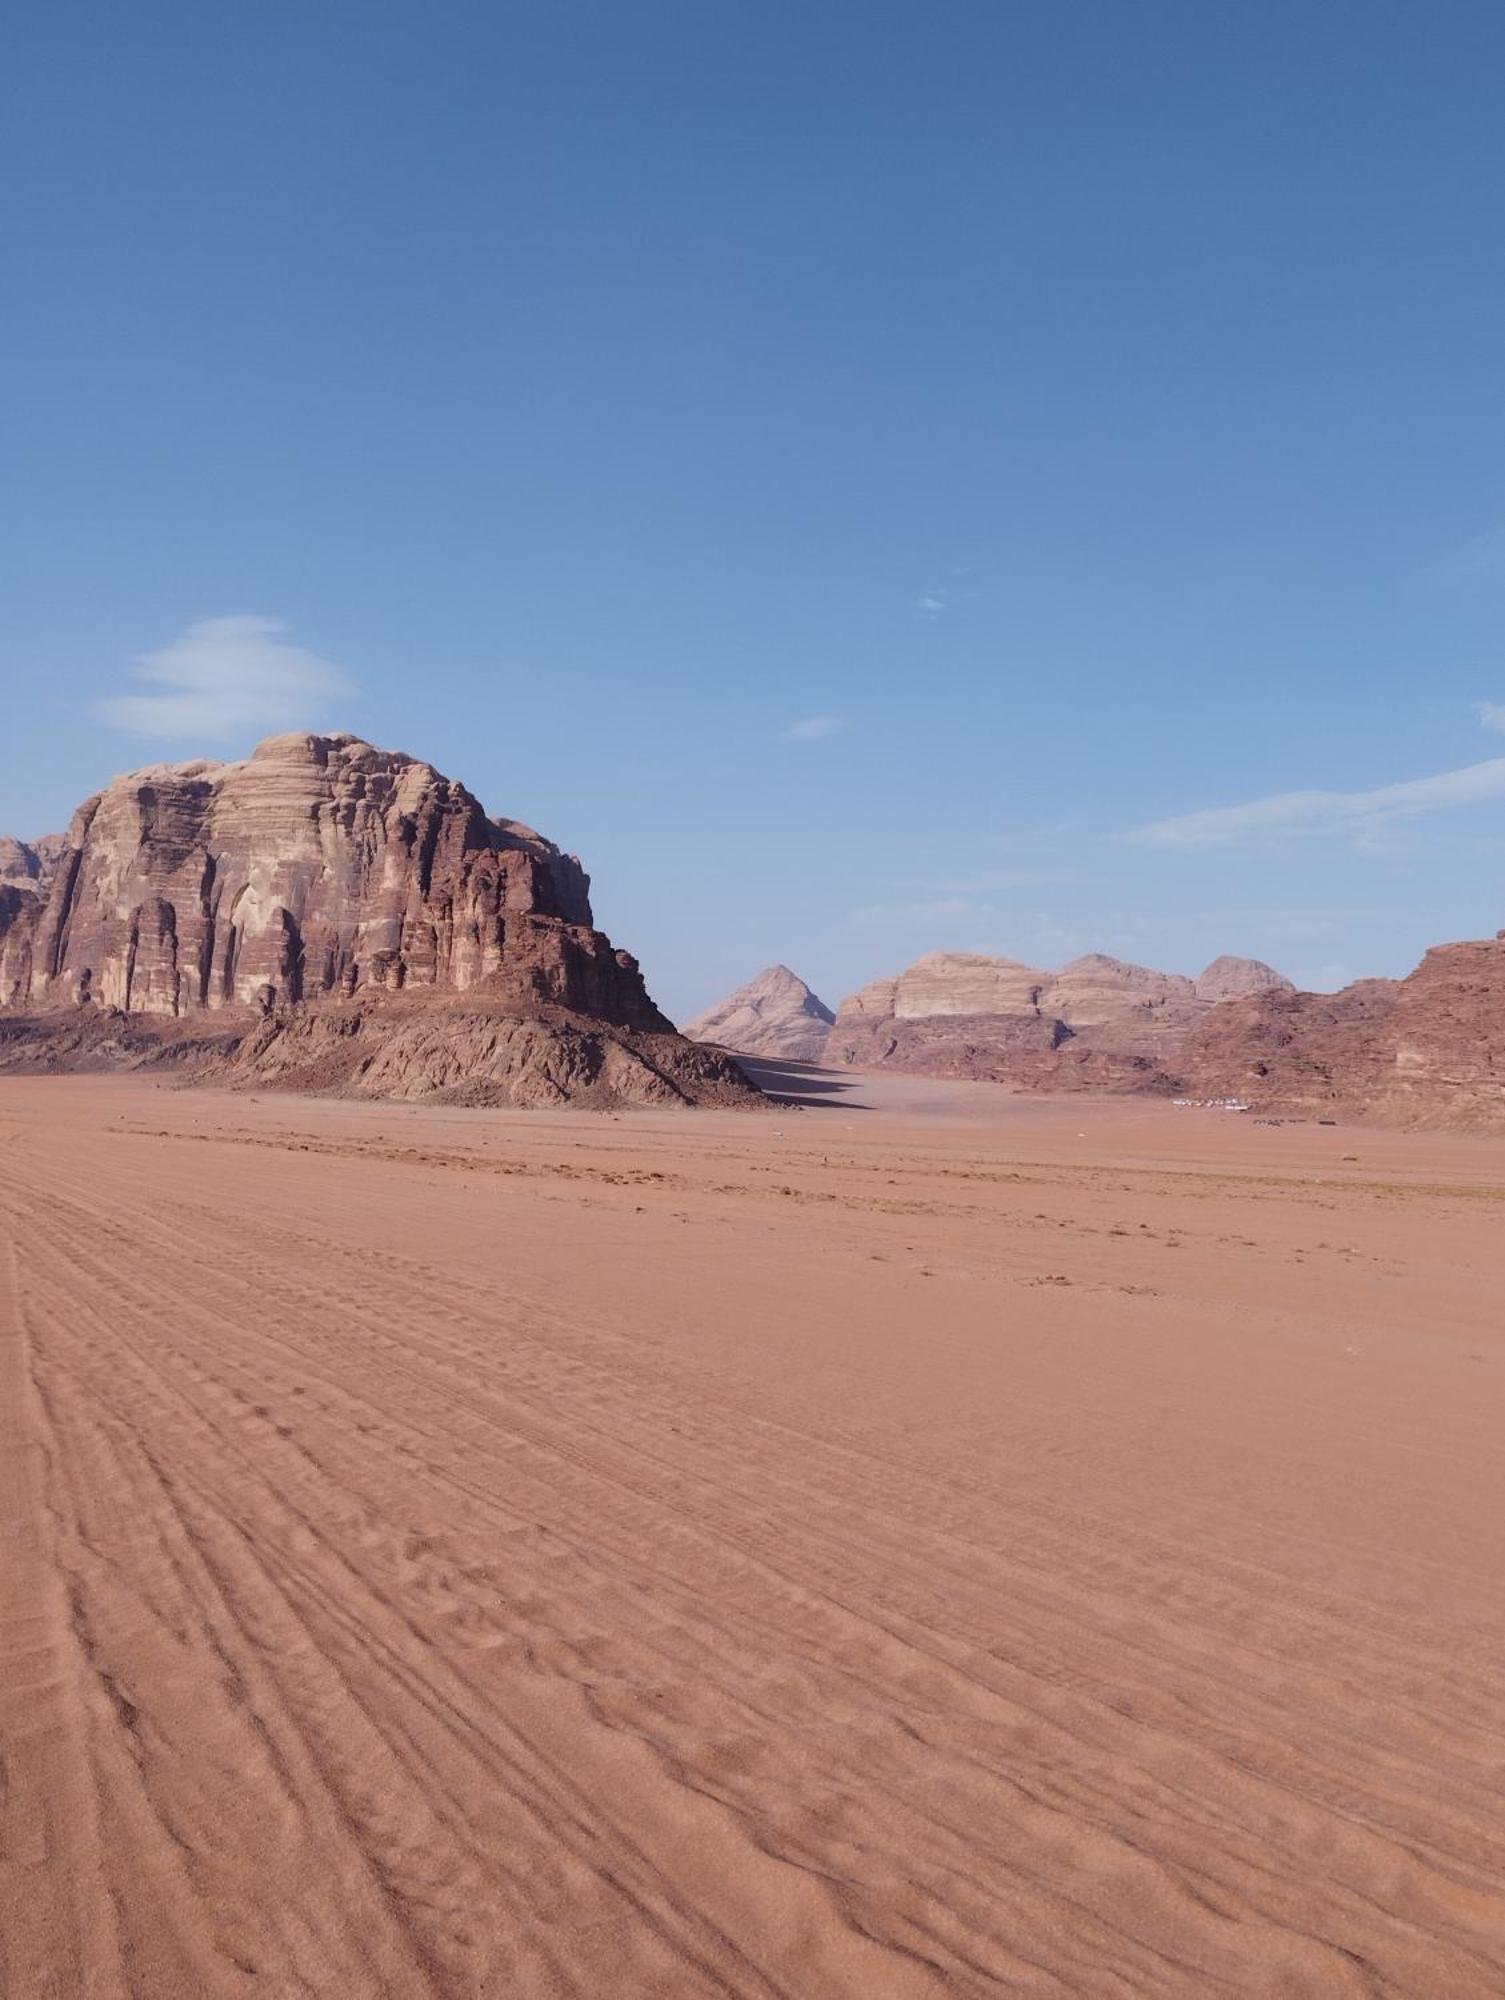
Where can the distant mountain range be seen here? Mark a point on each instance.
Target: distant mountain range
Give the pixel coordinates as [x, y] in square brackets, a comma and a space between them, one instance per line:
[1427, 1050]
[335, 917]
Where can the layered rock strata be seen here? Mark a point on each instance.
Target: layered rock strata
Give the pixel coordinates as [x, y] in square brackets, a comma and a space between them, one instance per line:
[1098, 1023]
[1426, 1050]
[306, 890]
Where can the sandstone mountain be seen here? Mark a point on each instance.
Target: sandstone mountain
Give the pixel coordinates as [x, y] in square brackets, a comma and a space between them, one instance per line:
[1097, 1023]
[1237, 978]
[327, 914]
[1425, 1050]
[775, 1015]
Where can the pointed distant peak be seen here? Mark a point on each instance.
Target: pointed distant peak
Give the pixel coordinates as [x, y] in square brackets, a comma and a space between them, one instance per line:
[776, 1014]
[776, 979]
[777, 983]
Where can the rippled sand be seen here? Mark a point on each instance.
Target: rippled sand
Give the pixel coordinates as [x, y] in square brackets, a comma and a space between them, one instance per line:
[943, 1547]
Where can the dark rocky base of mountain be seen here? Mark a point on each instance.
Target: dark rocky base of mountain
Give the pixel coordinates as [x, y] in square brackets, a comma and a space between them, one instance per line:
[451, 1050]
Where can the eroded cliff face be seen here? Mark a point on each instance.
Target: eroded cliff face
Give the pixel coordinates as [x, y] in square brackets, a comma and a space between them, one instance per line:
[1098, 1023]
[315, 894]
[26, 872]
[319, 865]
[1425, 1050]
[30, 864]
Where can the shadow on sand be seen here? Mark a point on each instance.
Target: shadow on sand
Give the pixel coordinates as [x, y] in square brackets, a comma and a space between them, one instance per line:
[802, 1083]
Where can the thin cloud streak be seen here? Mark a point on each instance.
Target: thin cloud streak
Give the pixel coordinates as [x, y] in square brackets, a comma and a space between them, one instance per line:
[224, 678]
[813, 728]
[1362, 816]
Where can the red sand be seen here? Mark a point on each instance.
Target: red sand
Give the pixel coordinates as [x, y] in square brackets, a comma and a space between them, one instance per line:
[1053, 1549]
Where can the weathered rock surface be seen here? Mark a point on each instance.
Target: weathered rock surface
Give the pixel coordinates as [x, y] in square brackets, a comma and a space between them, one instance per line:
[30, 864]
[1094, 991]
[774, 1015]
[317, 865]
[1098, 1023]
[293, 891]
[1425, 1050]
[26, 872]
[1238, 978]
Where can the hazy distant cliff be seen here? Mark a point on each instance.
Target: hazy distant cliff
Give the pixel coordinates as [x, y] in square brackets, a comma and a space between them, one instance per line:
[1098, 1022]
[1428, 1049]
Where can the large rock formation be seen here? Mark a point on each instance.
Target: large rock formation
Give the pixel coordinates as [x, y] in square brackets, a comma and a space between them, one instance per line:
[1425, 1050]
[333, 914]
[1097, 1023]
[26, 872]
[774, 1015]
[1239, 978]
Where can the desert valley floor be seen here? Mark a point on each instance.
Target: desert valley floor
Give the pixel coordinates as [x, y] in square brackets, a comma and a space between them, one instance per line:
[923, 1543]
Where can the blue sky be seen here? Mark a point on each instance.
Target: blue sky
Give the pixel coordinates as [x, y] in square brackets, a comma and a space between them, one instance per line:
[872, 478]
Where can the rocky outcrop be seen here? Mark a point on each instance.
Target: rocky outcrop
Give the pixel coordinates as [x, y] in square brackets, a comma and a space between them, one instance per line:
[958, 982]
[775, 1015]
[1098, 991]
[452, 1050]
[26, 872]
[1239, 979]
[1426, 1050]
[289, 892]
[1098, 1023]
[30, 864]
[318, 865]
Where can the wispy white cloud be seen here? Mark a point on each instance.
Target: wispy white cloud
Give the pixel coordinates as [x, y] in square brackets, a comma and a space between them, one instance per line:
[224, 678]
[1492, 715]
[939, 600]
[813, 728]
[1366, 818]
